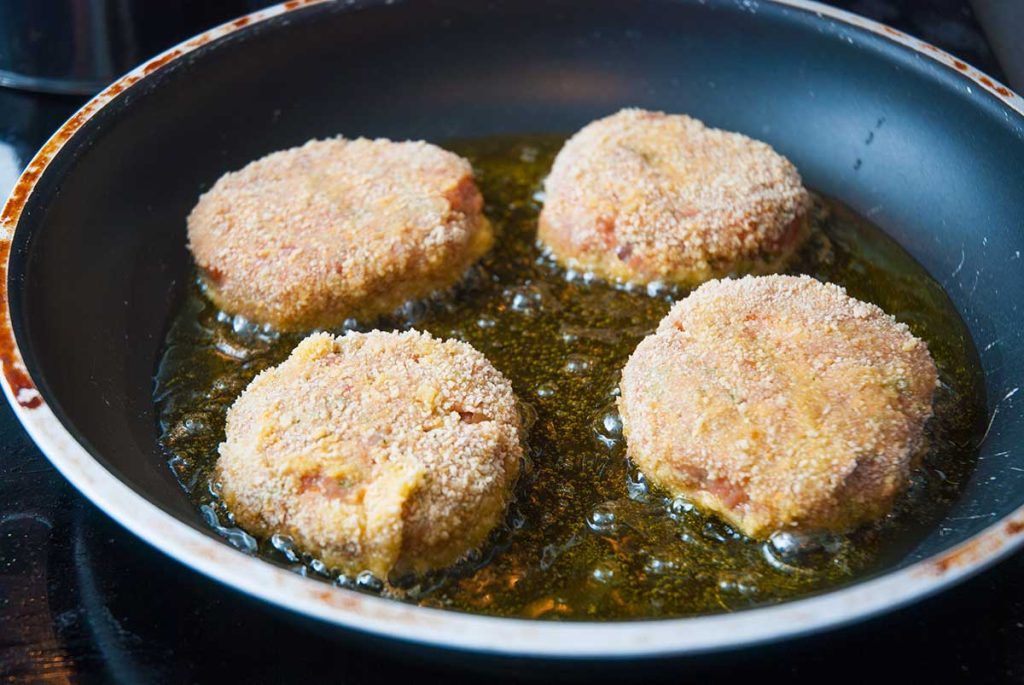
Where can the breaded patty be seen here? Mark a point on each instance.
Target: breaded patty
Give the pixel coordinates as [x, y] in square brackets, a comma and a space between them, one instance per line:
[780, 403]
[644, 197]
[310, 236]
[386, 452]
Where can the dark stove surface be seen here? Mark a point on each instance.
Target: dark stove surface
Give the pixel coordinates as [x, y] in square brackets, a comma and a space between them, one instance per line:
[83, 600]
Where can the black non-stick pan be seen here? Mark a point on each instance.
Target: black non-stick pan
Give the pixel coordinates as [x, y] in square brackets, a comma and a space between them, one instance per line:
[922, 144]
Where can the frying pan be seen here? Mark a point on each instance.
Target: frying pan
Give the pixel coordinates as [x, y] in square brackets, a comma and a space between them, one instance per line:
[93, 236]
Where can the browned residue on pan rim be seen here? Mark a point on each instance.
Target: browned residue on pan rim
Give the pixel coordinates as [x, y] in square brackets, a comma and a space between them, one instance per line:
[983, 547]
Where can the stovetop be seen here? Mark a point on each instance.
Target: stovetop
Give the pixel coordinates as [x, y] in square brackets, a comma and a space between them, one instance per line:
[83, 600]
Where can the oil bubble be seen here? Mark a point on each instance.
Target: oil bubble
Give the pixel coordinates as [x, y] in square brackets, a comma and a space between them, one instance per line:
[688, 539]
[636, 485]
[525, 299]
[523, 303]
[658, 567]
[742, 585]
[236, 536]
[771, 556]
[369, 582]
[545, 391]
[193, 425]
[612, 423]
[604, 573]
[679, 508]
[189, 428]
[268, 333]
[225, 386]
[242, 326]
[602, 520]
[413, 311]
[285, 545]
[718, 531]
[656, 289]
[527, 414]
[608, 428]
[231, 350]
[252, 332]
[792, 548]
[576, 363]
[241, 540]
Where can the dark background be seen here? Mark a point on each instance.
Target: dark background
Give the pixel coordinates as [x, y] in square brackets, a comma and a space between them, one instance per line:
[81, 600]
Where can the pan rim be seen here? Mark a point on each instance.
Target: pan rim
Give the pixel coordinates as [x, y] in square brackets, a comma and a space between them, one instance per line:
[434, 627]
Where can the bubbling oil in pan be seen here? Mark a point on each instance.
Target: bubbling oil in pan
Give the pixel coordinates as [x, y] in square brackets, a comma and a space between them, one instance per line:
[587, 537]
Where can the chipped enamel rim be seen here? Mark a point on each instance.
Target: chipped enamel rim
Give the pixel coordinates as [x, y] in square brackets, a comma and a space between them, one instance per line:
[435, 627]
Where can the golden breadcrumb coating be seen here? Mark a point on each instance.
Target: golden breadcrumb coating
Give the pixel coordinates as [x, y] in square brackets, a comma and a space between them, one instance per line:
[310, 236]
[386, 452]
[779, 402]
[646, 197]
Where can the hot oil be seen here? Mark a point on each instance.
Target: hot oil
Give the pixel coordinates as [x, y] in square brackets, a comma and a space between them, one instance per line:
[586, 537]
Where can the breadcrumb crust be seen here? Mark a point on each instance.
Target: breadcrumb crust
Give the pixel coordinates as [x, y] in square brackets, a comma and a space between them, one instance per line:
[779, 402]
[387, 452]
[307, 237]
[645, 196]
